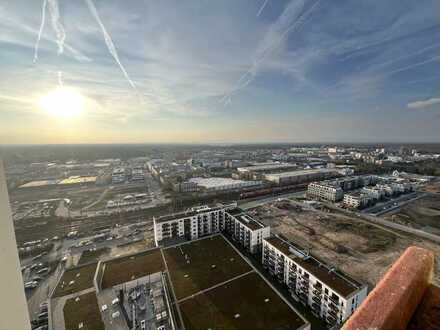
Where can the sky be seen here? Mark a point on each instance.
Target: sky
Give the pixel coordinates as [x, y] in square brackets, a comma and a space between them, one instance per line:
[221, 71]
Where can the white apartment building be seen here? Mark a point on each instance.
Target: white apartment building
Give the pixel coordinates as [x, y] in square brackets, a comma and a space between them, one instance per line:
[202, 221]
[332, 296]
[137, 174]
[191, 224]
[356, 200]
[245, 229]
[118, 175]
[325, 191]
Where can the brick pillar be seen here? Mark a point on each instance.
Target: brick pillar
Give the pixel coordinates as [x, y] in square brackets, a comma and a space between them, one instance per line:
[395, 298]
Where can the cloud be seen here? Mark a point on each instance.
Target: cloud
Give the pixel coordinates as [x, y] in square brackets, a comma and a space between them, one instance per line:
[424, 103]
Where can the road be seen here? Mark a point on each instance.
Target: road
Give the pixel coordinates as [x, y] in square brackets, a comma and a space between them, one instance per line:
[389, 224]
[245, 205]
[393, 204]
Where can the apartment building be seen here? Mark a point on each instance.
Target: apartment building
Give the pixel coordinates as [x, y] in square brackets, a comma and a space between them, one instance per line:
[191, 224]
[325, 191]
[356, 199]
[118, 175]
[331, 295]
[202, 221]
[245, 229]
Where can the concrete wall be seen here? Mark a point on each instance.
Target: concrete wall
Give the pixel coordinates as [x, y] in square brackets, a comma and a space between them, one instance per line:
[13, 307]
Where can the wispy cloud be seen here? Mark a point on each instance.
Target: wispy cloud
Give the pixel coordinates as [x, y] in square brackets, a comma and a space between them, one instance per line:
[424, 103]
[262, 7]
[109, 42]
[40, 31]
[56, 24]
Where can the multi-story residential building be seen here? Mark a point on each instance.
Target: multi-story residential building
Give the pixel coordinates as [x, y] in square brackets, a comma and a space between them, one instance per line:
[245, 229]
[137, 174]
[191, 224]
[202, 221]
[118, 175]
[332, 295]
[356, 199]
[326, 191]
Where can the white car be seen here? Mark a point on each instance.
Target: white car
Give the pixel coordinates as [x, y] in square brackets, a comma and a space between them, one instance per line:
[115, 314]
[115, 301]
[104, 308]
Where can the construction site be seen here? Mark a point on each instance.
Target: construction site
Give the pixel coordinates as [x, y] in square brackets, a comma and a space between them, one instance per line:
[357, 247]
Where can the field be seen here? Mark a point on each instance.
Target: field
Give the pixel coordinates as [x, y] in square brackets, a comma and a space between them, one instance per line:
[244, 303]
[93, 256]
[131, 267]
[360, 249]
[85, 311]
[422, 214]
[201, 264]
[82, 277]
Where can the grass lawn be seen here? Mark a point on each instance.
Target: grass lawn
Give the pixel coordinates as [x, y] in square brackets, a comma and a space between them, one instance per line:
[82, 277]
[121, 270]
[202, 264]
[245, 303]
[85, 310]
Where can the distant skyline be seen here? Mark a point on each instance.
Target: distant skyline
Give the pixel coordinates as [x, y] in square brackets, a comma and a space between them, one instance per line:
[232, 71]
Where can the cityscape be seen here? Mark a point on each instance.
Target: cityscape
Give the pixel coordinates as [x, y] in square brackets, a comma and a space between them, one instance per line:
[299, 235]
[220, 165]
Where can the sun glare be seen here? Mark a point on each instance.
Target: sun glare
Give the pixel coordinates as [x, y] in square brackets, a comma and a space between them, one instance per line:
[63, 102]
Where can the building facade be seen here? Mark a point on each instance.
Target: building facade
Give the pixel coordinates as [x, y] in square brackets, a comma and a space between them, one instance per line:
[325, 191]
[245, 230]
[203, 221]
[332, 296]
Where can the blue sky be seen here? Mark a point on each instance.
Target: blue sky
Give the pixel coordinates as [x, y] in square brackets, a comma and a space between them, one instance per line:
[223, 71]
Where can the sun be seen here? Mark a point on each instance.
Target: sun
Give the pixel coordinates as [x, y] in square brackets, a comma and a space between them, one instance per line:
[63, 102]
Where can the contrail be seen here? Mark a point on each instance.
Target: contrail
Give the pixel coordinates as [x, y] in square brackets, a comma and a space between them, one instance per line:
[40, 32]
[60, 78]
[56, 24]
[262, 8]
[109, 43]
[251, 72]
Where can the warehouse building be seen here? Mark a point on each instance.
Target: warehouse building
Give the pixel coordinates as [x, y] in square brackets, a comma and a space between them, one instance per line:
[332, 296]
[222, 184]
[301, 176]
[257, 171]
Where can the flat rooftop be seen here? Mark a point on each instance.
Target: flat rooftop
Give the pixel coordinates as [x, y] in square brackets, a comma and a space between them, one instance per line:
[75, 280]
[83, 313]
[246, 219]
[334, 279]
[200, 264]
[189, 213]
[301, 172]
[131, 267]
[265, 167]
[244, 303]
[220, 182]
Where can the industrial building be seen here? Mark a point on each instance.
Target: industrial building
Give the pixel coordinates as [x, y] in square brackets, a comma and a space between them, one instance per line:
[332, 296]
[221, 184]
[301, 176]
[257, 171]
[203, 221]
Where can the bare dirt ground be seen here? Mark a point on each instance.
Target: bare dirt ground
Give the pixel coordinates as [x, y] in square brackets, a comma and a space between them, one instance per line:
[356, 247]
[422, 214]
[433, 187]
